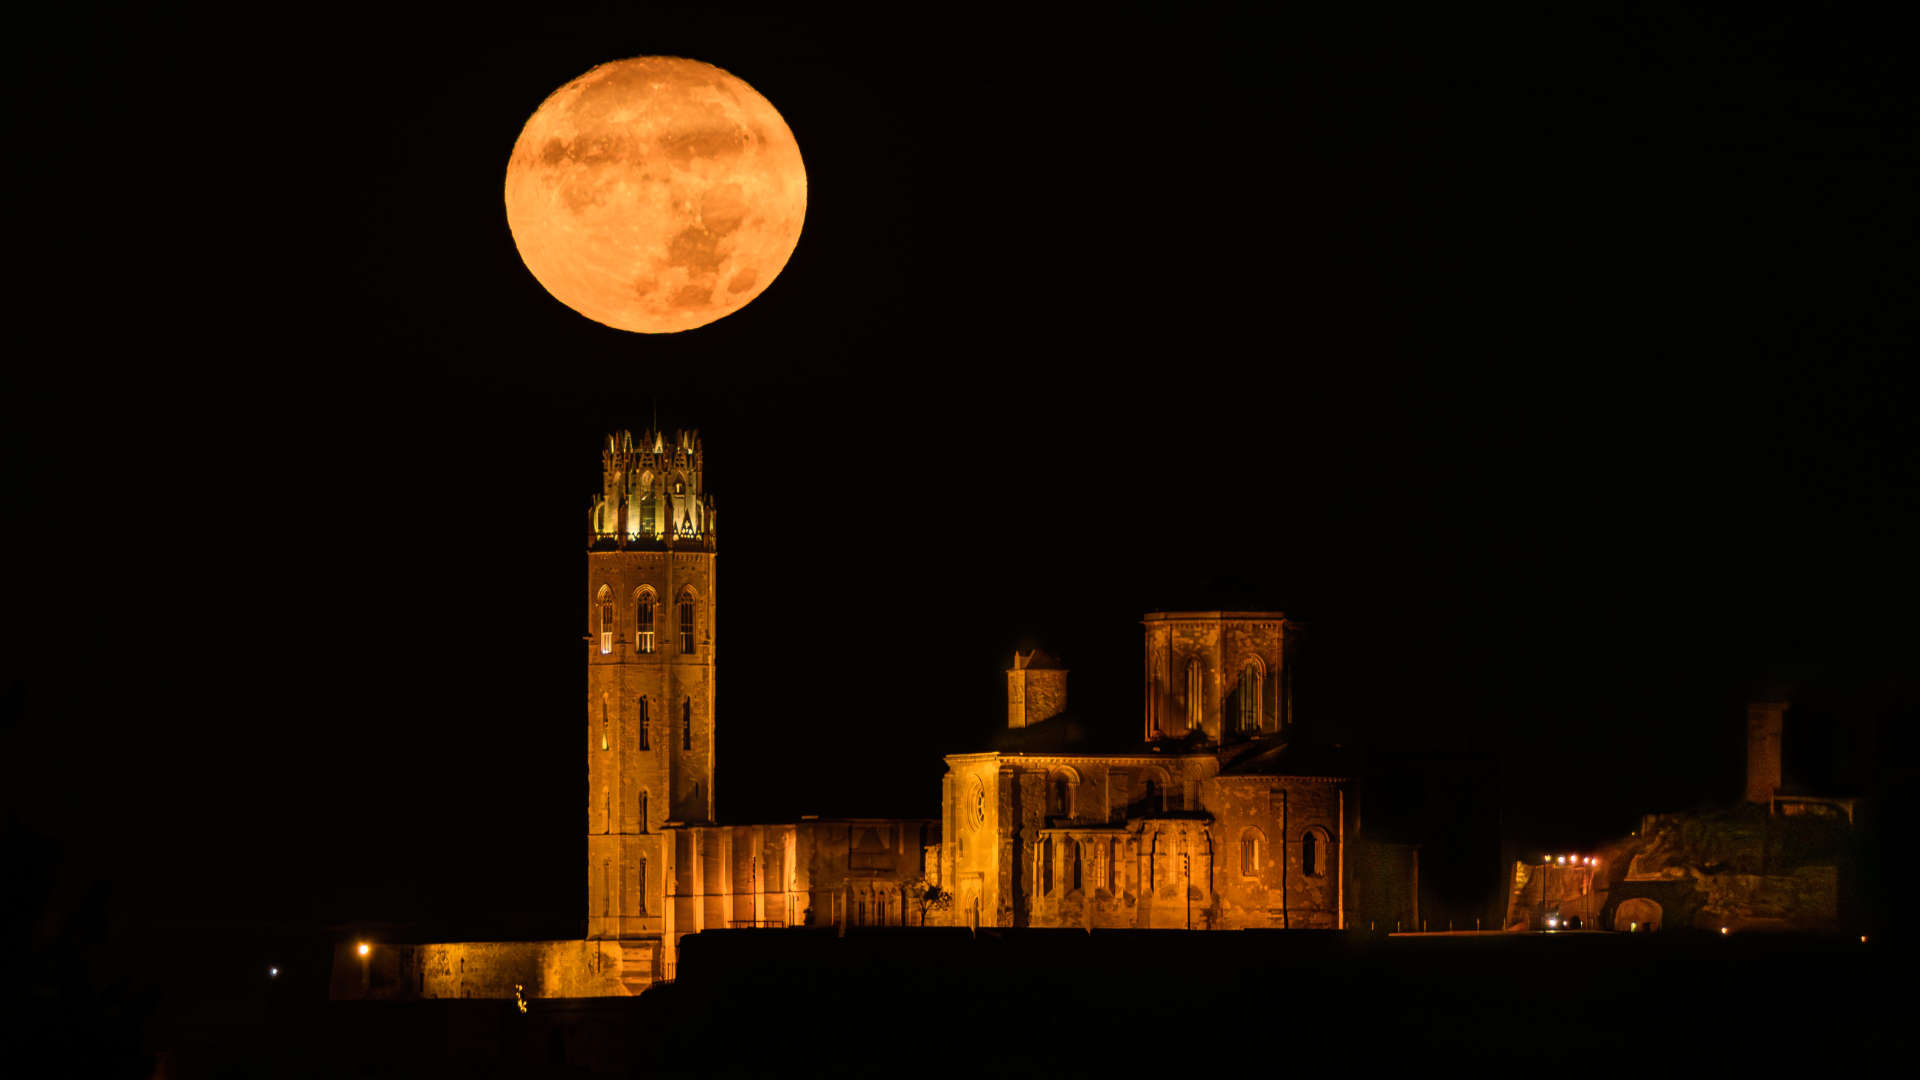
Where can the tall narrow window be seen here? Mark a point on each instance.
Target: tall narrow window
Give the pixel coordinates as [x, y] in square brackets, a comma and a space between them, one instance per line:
[1310, 855]
[605, 723]
[1073, 865]
[1046, 867]
[643, 812]
[643, 621]
[1250, 698]
[686, 622]
[1250, 853]
[686, 724]
[646, 725]
[640, 887]
[1113, 860]
[1194, 694]
[606, 622]
[646, 515]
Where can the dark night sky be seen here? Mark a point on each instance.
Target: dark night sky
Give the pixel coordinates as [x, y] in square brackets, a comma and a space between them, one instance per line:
[1557, 374]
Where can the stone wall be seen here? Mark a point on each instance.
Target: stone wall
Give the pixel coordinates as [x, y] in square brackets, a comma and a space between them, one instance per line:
[1736, 867]
[488, 969]
[1202, 850]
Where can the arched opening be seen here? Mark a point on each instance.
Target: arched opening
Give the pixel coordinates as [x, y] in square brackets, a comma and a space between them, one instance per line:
[1061, 786]
[686, 621]
[1196, 693]
[606, 621]
[646, 733]
[643, 813]
[606, 723]
[1153, 791]
[1251, 695]
[686, 724]
[1313, 853]
[1638, 915]
[643, 604]
[1252, 853]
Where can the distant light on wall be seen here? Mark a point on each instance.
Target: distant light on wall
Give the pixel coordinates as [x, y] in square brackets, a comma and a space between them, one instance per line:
[365, 948]
[273, 972]
[1723, 930]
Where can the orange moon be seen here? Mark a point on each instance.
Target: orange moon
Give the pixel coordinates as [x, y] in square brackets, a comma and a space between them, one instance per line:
[655, 194]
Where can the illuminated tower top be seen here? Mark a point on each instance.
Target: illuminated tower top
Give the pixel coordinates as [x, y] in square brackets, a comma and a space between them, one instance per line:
[651, 493]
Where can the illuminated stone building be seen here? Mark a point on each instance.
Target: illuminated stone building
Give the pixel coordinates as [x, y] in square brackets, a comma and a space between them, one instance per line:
[1212, 819]
[1216, 817]
[658, 866]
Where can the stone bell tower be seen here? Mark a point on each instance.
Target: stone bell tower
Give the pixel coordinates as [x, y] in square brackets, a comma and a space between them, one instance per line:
[650, 674]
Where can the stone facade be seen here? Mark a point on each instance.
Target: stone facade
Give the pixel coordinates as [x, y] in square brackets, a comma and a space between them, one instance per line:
[658, 868]
[1212, 822]
[488, 969]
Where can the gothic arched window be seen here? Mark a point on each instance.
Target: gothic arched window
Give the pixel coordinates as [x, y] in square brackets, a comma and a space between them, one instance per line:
[646, 736]
[643, 811]
[606, 621]
[686, 621]
[686, 723]
[1250, 688]
[1195, 694]
[643, 620]
[606, 723]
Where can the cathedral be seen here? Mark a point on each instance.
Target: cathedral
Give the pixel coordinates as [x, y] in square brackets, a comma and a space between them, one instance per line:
[1210, 815]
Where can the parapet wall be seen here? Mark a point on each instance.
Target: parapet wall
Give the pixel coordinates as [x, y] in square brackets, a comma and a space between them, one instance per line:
[491, 969]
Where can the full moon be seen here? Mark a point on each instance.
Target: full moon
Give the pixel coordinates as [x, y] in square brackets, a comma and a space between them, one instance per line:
[655, 194]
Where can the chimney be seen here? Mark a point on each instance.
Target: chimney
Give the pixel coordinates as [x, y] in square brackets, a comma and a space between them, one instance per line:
[1764, 722]
[1036, 689]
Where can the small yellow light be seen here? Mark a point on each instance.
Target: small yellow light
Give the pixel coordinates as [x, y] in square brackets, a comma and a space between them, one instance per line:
[365, 948]
[1596, 861]
[1863, 939]
[1632, 926]
[1563, 860]
[1723, 929]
